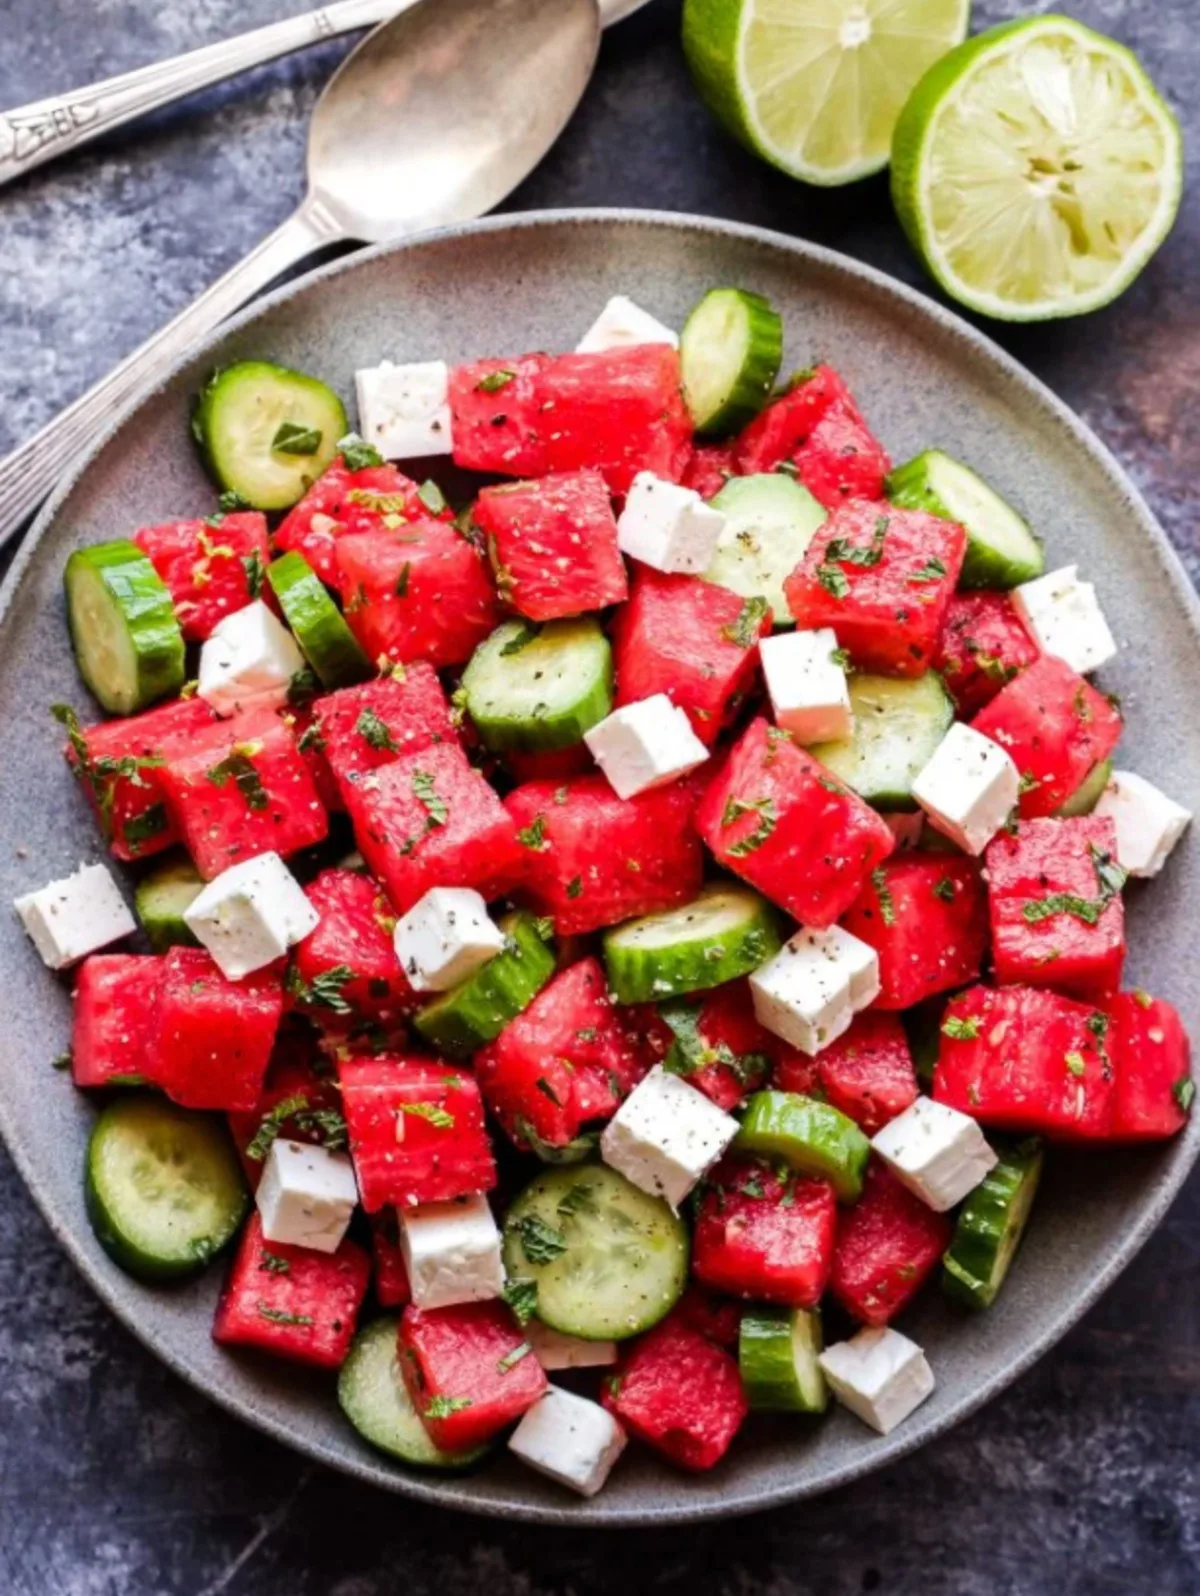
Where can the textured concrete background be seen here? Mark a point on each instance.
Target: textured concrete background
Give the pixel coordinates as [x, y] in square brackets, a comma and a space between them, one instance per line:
[115, 1479]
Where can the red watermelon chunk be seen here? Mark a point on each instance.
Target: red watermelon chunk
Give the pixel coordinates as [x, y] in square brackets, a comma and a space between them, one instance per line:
[497, 423]
[841, 458]
[296, 1102]
[299, 1304]
[883, 580]
[466, 1372]
[710, 468]
[717, 1318]
[113, 1019]
[210, 568]
[590, 859]
[213, 1037]
[553, 545]
[776, 817]
[344, 503]
[887, 1246]
[1151, 1054]
[556, 764]
[692, 640]
[868, 1073]
[392, 1289]
[717, 1042]
[345, 972]
[984, 645]
[926, 916]
[764, 1233]
[787, 423]
[301, 722]
[680, 1393]
[362, 728]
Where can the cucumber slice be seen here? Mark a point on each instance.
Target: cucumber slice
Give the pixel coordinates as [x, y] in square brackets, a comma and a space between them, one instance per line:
[769, 523]
[608, 1260]
[325, 640]
[534, 688]
[127, 641]
[372, 1394]
[991, 1225]
[729, 354]
[1089, 792]
[1001, 550]
[725, 931]
[461, 1021]
[778, 1350]
[813, 1137]
[160, 899]
[267, 433]
[163, 1187]
[898, 725]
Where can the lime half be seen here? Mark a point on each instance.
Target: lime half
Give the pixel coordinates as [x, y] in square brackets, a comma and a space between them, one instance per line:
[815, 86]
[1036, 170]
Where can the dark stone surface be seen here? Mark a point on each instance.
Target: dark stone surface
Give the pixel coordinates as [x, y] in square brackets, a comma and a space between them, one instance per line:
[115, 1479]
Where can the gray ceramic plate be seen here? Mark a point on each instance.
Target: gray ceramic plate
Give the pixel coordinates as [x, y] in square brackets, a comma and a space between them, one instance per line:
[924, 377]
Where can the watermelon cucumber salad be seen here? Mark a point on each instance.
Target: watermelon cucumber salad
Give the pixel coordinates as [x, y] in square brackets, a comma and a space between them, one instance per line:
[675, 894]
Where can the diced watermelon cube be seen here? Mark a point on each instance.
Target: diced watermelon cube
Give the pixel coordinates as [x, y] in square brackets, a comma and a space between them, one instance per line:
[296, 1102]
[421, 593]
[292, 1301]
[718, 1319]
[346, 971]
[556, 764]
[431, 820]
[497, 421]
[213, 1037]
[778, 819]
[737, 1053]
[116, 996]
[887, 1245]
[765, 1234]
[788, 422]
[344, 503]
[842, 459]
[692, 640]
[1020, 1059]
[984, 645]
[883, 580]
[241, 788]
[1055, 903]
[564, 1064]
[710, 468]
[868, 1073]
[392, 1289]
[1151, 1054]
[599, 859]
[680, 1393]
[553, 544]
[926, 915]
[301, 722]
[364, 727]
[468, 1370]
[210, 570]
[1055, 726]
[416, 1131]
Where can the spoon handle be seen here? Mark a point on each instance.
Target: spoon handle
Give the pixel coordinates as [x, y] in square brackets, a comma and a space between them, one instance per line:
[49, 128]
[29, 474]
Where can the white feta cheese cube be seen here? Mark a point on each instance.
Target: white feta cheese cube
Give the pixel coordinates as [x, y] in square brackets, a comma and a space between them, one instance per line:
[250, 915]
[621, 325]
[553, 1350]
[879, 1375]
[813, 987]
[306, 1196]
[938, 1153]
[445, 938]
[569, 1439]
[1066, 620]
[645, 745]
[667, 526]
[452, 1252]
[907, 829]
[68, 919]
[968, 788]
[1148, 823]
[666, 1136]
[404, 411]
[248, 662]
[807, 684]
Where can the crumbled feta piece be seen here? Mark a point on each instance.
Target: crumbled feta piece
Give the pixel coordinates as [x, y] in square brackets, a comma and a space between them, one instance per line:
[621, 325]
[250, 915]
[1148, 823]
[907, 830]
[645, 745]
[306, 1196]
[452, 1252]
[1066, 620]
[68, 919]
[937, 1152]
[807, 684]
[879, 1375]
[553, 1350]
[404, 411]
[667, 526]
[248, 662]
[968, 788]
[445, 938]
[665, 1136]
[811, 990]
[569, 1439]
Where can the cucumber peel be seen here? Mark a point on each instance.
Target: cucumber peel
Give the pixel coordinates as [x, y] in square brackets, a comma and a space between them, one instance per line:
[325, 640]
[809, 1136]
[470, 1015]
[725, 932]
[729, 354]
[128, 643]
[1001, 550]
[778, 1349]
[991, 1225]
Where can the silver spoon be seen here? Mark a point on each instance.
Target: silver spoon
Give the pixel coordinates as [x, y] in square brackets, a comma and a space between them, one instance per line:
[433, 119]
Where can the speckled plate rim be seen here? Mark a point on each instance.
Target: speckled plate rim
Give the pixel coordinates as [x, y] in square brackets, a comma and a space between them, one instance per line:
[918, 1430]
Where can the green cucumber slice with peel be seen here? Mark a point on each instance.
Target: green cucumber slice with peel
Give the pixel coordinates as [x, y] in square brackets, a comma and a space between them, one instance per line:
[325, 640]
[1001, 550]
[127, 641]
[1089, 792]
[726, 931]
[769, 523]
[608, 1260]
[990, 1227]
[267, 433]
[812, 1137]
[778, 1349]
[898, 725]
[470, 1015]
[534, 688]
[372, 1394]
[729, 354]
[162, 896]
